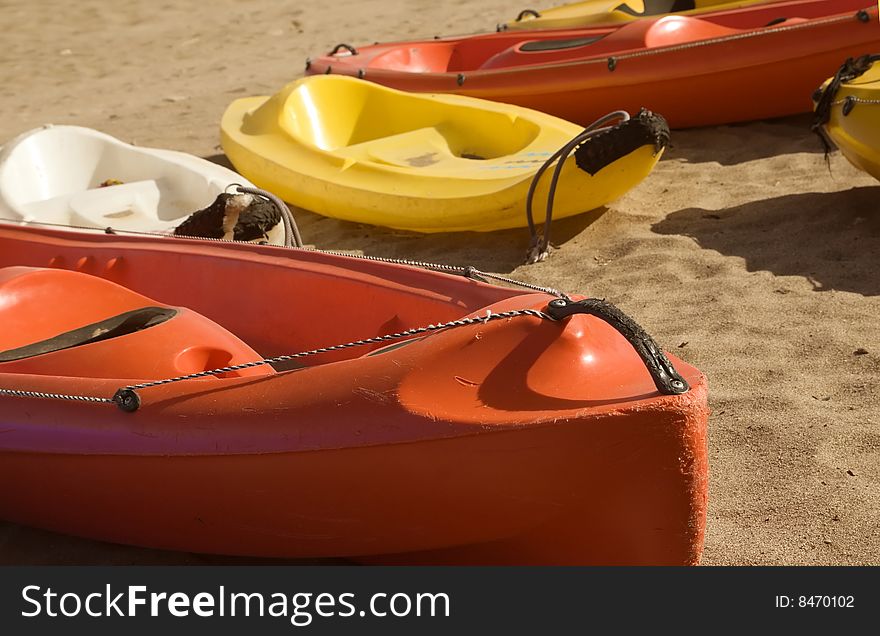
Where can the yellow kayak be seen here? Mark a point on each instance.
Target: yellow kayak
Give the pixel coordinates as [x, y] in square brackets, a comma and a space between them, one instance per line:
[848, 112]
[358, 151]
[593, 12]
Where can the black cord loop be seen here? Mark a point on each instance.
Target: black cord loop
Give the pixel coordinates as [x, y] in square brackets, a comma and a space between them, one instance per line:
[342, 46]
[522, 14]
[292, 237]
[539, 248]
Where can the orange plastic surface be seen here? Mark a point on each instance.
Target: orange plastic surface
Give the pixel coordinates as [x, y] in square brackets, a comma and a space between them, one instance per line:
[736, 65]
[38, 304]
[513, 441]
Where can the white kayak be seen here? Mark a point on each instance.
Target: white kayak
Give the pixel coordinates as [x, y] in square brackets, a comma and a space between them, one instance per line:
[77, 176]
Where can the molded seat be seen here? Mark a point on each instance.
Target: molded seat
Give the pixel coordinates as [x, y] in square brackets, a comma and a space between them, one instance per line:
[642, 34]
[58, 322]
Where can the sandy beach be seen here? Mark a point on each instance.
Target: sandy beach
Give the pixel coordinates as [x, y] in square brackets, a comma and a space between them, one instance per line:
[744, 253]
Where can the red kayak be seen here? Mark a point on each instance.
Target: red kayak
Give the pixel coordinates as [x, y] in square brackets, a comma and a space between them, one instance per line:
[268, 401]
[737, 65]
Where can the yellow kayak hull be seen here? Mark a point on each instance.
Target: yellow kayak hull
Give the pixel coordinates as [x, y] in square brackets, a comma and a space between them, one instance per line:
[594, 12]
[855, 128]
[361, 152]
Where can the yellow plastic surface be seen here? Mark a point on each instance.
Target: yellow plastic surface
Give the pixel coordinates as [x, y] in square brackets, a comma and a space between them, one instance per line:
[858, 133]
[593, 12]
[358, 151]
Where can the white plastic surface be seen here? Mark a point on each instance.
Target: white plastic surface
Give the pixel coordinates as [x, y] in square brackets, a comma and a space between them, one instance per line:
[54, 174]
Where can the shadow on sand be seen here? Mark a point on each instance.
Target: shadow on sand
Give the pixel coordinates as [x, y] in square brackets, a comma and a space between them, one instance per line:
[739, 143]
[220, 160]
[832, 239]
[499, 251]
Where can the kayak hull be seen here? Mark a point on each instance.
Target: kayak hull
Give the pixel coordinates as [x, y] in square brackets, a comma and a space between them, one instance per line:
[70, 175]
[412, 176]
[519, 440]
[560, 494]
[854, 121]
[696, 72]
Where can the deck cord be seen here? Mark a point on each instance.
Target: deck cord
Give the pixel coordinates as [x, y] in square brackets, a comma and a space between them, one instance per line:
[862, 15]
[666, 379]
[55, 396]
[467, 271]
[122, 399]
[127, 398]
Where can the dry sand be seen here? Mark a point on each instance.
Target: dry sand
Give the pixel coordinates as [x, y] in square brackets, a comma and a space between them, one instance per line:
[743, 253]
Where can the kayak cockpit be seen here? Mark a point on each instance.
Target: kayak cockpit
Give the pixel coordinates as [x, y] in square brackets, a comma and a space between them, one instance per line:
[71, 175]
[226, 313]
[380, 125]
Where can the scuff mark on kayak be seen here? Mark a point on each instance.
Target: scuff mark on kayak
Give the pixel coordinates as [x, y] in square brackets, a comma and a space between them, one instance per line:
[427, 159]
[374, 396]
[465, 382]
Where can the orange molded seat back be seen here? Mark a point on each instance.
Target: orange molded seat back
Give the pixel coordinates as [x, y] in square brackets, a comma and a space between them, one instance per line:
[675, 29]
[667, 31]
[420, 57]
[39, 308]
[638, 35]
[546, 51]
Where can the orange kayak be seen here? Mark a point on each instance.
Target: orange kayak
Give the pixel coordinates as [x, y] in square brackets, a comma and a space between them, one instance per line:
[496, 426]
[737, 65]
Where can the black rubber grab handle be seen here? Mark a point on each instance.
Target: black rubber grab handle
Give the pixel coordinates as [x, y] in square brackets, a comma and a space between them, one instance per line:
[666, 378]
[343, 47]
[526, 12]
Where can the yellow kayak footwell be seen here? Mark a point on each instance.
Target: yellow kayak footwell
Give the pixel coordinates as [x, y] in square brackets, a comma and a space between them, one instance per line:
[358, 151]
[848, 112]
